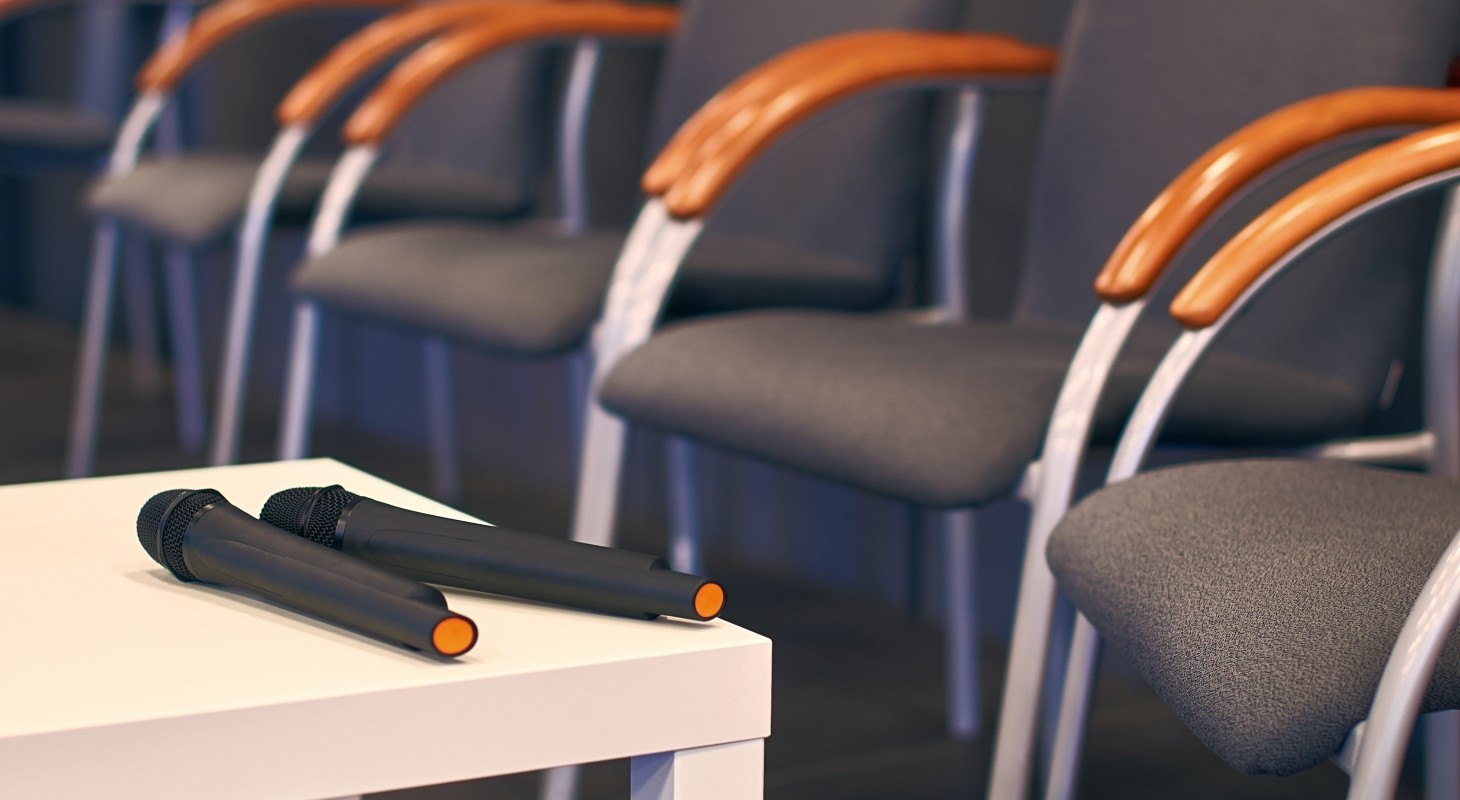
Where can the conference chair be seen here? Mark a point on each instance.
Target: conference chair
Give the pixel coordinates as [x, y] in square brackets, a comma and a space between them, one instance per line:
[952, 416]
[192, 200]
[1288, 612]
[535, 294]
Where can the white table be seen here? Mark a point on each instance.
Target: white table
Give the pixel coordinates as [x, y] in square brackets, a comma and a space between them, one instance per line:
[118, 680]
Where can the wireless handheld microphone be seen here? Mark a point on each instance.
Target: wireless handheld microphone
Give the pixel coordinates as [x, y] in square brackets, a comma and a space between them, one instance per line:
[199, 536]
[488, 559]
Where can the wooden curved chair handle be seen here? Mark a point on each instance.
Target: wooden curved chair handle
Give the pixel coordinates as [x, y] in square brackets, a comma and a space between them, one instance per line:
[882, 59]
[428, 67]
[217, 24]
[730, 111]
[357, 56]
[1305, 211]
[1196, 194]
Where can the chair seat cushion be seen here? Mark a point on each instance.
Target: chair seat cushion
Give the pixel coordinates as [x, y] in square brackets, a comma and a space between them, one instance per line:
[42, 126]
[944, 416]
[1261, 599]
[196, 198]
[518, 291]
[531, 292]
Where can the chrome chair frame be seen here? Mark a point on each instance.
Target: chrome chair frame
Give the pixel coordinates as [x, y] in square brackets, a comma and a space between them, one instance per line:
[1375, 767]
[1050, 482]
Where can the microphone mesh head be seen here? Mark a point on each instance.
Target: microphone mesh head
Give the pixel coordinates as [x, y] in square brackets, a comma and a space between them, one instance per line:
[308, 511]
[163, 521]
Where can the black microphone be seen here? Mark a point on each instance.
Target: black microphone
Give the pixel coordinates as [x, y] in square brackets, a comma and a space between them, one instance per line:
[472, 556]
[199, 536]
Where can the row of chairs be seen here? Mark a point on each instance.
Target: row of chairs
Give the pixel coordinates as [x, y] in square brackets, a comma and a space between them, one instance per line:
[1259, 598]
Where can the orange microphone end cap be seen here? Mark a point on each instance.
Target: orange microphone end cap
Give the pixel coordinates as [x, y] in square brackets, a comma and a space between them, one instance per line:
[709, 599]
[454, 636]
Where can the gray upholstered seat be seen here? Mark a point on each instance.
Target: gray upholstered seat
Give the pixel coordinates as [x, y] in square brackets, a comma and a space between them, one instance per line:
[198, 197]
[1260, 599]
[47, 126]
[937, 415]
[537, 294]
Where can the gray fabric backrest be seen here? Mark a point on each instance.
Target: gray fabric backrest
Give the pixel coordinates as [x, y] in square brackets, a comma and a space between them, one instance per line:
[495, 119]
[847, 188]
[490, 120]
[1145, 86]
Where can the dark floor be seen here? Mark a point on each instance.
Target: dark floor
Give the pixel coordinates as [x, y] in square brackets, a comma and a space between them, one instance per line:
[858, 685]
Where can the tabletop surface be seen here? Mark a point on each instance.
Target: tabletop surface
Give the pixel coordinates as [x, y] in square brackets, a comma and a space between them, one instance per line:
[100, 635]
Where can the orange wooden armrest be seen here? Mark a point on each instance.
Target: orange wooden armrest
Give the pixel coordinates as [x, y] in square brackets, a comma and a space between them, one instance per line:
[884, 58]
[1196, 194]
[732, 108]
[221, 22]
[1305, 211]
[357, 56]
[428, 67]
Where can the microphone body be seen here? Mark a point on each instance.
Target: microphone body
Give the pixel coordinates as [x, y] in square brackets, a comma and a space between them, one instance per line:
[200, 536]
[495, 560]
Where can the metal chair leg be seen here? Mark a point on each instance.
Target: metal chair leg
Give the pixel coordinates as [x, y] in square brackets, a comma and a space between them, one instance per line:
[1056, 661]
[1442, 755]
[961, 620]
[600, 470]
[560, 783]
[91, 367]
[186, 350]
[685, 553]
[1018, 725]
[237, 344]
[580, 374]
[146, 363]
[1074, 711]
[441, 419]
[253, 235]
[299, 382]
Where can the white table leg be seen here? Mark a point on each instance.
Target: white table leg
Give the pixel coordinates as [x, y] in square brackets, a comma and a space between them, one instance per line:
[734, 771]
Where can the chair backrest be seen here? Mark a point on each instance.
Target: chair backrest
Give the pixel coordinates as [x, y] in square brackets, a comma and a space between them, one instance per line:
[492, 120]
[510, 106]
[1145, 86]
[852, 186]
